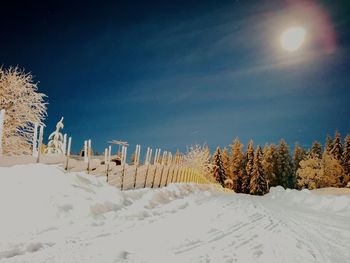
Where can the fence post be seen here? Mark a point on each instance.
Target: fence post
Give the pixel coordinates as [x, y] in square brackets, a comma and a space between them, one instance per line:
[178, 176]
[173, 173]
[108, 159]
[137, 159]
[169, 163]
[156, 158]
[65, 144]
[184, 175]
[2, 120]
[124, 150]
[68, 152]
[34, 142]
[148, 161]
[163, 165]
[177, 173]
[41, 134]
[88, 155]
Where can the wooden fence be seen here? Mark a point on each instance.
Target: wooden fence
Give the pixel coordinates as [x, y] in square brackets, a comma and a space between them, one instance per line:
[156, 171]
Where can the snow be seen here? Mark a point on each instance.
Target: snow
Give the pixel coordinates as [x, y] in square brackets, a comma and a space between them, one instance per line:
[48, 215]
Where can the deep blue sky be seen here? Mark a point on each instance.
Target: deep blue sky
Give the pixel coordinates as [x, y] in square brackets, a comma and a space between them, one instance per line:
[173, 73]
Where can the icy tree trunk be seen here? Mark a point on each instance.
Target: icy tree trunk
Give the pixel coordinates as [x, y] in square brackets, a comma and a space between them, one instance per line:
[2, 119]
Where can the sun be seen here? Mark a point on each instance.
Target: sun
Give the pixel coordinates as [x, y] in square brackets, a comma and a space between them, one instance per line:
[293, 38]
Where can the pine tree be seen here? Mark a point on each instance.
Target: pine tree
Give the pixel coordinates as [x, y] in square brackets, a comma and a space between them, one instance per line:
[249, 162]
[329, 144]
[337, 150]
[226, 163]
[275, 154]
[237, 165]
[268, 164]
[316, 150]
[299, 155]
[258, 184]
[285, 173]
[346, 155]
[219, 172]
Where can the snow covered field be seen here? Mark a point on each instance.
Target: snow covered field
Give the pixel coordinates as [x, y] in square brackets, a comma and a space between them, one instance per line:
[50, 216]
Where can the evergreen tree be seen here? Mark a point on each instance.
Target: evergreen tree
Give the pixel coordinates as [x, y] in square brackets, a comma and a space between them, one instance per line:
[346, 155]
[275, 154]
[337, 150]
[249, 162]
[329, 144]
[285, 173]
[219, 171]
[226, 163]
[299, 154]
[268, 164]
[316, 150]
[237, 165]
[258, 184]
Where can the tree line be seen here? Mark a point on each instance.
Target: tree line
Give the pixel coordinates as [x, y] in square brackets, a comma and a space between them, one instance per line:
[256, 169]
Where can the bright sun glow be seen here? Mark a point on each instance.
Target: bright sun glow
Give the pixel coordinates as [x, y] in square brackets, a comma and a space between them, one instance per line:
[292, 38]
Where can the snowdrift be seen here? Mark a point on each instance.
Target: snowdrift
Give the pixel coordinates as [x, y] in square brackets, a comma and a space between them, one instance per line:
[332, 200]
[48, 215]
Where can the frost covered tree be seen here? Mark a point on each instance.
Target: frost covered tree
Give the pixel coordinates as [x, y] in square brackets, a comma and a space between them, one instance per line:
[269, 163]
[316, 150]
[56, 141]
[333, 172]
[198, 157]
[227, 163]
[309, 173]
[24, 106]
[320, 172]
[219, 171]
[237, 165]
[337, 150]
[346, 155]
[285, 171]
[249, 162]
[258, 183]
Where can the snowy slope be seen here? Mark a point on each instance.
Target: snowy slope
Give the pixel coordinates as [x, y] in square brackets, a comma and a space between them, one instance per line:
[50, 216]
